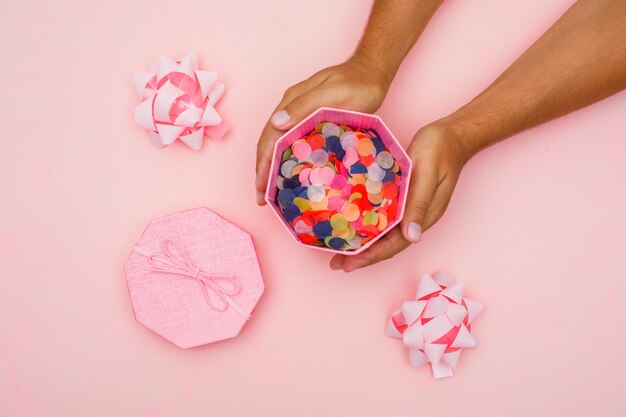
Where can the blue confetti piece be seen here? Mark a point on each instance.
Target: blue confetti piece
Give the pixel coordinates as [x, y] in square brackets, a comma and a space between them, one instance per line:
[301, 191]
[291, 183]
[389, 177]
[336, 243]
[333, 144]
[285, 197]
[323, 229]
[378, 144]
[291, 211]
[358, 168]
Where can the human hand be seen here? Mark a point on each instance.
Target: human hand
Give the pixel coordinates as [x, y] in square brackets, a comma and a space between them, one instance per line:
[438, 157]
[352, 85]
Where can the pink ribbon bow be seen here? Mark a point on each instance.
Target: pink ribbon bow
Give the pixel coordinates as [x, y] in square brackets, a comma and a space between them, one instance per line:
[178, 102]
[174, 261]
[436, 325]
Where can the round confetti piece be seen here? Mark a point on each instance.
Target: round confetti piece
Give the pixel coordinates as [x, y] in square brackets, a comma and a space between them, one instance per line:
[390, 176]
[375, 199]
[348, 140]
[335, 243]
[302, 203]
[323, 229]
[335, 193]
[382, 222]
[391, 210]
[370, 217]
[291, 211]
[375, 172]
[367, 160]
[320, 205]
[338, 222]
[351, 157]
[378, 143]
[287, 167]
[330, 129]
[389, 190]
[315, 178]
[343, 233]
[358, 168]
[365, 204]
[355, 196]
[303, 177]
[308, 239]
[335, 203]
[365, 147]
[316, 193]
[346, 191]
[297, 170]
[287, 154]
[373, 186]
[319, 157]
[369, 230]
[322, 216]
[351, 212]
[317, 141]
[327, 175]
[301, 149]
[339, 182]
[301, 227]
[351, 233]
[385, 160]
[359, 179]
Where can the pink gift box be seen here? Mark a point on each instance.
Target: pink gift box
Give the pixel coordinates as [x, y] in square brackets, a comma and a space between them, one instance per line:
[193, 278]
[347, 118]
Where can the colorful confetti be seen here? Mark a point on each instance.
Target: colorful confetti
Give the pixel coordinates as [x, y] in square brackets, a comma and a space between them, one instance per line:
[338, 186]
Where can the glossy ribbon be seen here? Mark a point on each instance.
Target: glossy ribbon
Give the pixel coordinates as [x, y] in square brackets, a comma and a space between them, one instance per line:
[178, 102]
[436, 326]
[174, 261]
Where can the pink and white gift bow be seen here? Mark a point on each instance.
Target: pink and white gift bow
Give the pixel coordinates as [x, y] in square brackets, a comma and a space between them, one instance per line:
[178, 102]
[174, 261]
[437, 325]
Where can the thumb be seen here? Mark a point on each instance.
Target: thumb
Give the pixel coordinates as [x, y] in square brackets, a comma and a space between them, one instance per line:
[417, 205]
[301, 106]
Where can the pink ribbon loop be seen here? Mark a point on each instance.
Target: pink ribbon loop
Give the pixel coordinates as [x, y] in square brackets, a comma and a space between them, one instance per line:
[174, 261]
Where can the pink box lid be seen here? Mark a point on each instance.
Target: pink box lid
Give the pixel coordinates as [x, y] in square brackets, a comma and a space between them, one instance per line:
[193, 278]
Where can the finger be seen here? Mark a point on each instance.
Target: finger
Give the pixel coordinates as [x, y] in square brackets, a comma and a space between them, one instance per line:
[264, 151]
[440, 202]
[269, 136]
[337, 261]
[387, 247]
[304, 104]
[418, 202]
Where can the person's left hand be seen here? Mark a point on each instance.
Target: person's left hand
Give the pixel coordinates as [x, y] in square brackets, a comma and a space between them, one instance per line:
[438, 157]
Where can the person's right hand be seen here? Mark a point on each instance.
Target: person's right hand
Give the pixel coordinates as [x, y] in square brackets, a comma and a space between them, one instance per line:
[352, 86]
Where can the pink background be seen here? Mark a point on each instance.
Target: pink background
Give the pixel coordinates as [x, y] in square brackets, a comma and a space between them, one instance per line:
[536, 229]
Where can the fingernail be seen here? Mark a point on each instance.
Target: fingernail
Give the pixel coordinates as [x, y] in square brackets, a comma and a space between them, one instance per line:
[280, 119]
[337, 263]
[414, 232]
[260, 197]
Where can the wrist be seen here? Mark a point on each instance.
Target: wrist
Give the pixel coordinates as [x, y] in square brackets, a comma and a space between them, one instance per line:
[471, 136]
[451, 136]
[371, 65]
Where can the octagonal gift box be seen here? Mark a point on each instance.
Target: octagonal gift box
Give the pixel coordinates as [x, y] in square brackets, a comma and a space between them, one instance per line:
[354, 120]
[193, 278]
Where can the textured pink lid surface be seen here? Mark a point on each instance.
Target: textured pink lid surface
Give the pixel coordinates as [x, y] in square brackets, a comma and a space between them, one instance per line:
[349, 118]
[174, 305]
